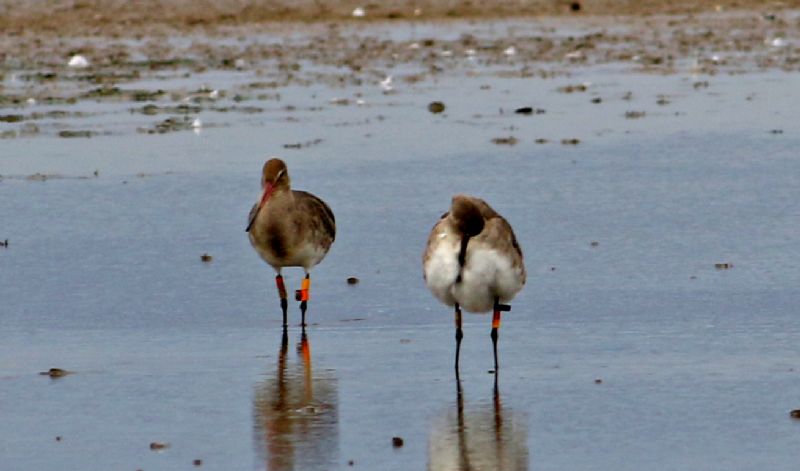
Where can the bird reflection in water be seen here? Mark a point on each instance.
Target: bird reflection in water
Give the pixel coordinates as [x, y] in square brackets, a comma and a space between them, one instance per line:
[480, 437]
[295, 411]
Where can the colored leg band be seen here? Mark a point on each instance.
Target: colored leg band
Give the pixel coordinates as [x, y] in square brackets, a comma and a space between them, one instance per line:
[496, 319]
[302, 293]
[281, 286]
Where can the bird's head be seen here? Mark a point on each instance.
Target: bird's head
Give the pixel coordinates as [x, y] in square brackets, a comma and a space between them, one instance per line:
[274, 177]
[466, 215]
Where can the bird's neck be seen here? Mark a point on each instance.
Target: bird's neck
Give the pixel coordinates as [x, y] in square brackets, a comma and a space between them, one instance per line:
[462, 256]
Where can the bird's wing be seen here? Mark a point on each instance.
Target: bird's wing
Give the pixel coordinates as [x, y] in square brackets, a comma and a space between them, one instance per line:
[499, 234]
[433, 240]
[251, 217]
[324, 222]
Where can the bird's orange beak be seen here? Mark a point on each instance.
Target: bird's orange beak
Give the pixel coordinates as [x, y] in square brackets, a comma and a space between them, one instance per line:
[268, 189]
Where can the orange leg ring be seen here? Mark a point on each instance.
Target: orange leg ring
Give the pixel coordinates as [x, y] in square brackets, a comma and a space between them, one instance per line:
[496, 319]
[302, 294]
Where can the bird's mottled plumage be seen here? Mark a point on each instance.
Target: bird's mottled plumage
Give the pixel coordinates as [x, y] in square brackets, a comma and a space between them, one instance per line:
[472, 257]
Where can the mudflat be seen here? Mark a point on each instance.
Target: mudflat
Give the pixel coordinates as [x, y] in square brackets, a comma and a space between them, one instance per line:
[117, 17]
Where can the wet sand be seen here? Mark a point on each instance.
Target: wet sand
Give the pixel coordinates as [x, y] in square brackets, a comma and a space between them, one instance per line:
[165, 75]
[114, 17]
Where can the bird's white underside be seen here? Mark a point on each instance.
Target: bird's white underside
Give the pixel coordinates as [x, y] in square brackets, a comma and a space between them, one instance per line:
[487, 274]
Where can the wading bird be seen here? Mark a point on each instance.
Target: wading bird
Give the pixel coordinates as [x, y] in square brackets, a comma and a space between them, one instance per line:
[473, 261]
[289, 228]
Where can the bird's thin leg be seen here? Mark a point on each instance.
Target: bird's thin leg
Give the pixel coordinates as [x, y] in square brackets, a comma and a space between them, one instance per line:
[282, 294]
[459, 336]
[498, 308]
[302, 295]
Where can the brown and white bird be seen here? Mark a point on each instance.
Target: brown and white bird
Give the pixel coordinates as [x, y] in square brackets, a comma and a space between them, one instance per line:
[473, 261]
[289, 228]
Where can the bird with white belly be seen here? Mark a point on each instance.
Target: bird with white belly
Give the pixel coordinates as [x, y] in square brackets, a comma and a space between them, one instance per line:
[473, 261]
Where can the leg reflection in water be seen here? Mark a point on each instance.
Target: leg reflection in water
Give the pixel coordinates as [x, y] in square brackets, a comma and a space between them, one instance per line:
[478, 437]
[295, 413]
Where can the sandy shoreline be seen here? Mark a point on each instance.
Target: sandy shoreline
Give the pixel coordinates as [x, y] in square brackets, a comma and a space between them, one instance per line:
[140, 64]
[120, 18]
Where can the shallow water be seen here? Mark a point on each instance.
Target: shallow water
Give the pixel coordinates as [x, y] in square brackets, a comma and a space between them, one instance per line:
[103, 277]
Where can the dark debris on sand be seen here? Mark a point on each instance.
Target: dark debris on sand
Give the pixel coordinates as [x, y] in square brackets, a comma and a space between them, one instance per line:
[55, 373]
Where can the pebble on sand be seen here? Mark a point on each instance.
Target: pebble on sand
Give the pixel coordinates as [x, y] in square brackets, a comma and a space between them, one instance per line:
[55, 373]
[78, 61]
[397, 442]
[206, 258]
[778, 42]
[581, 87]
[436, 107]
[594, 243]
[352, 280]
[386, 84]
[634, 114]
[529, 110]
[505, 141]
[197, 462]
